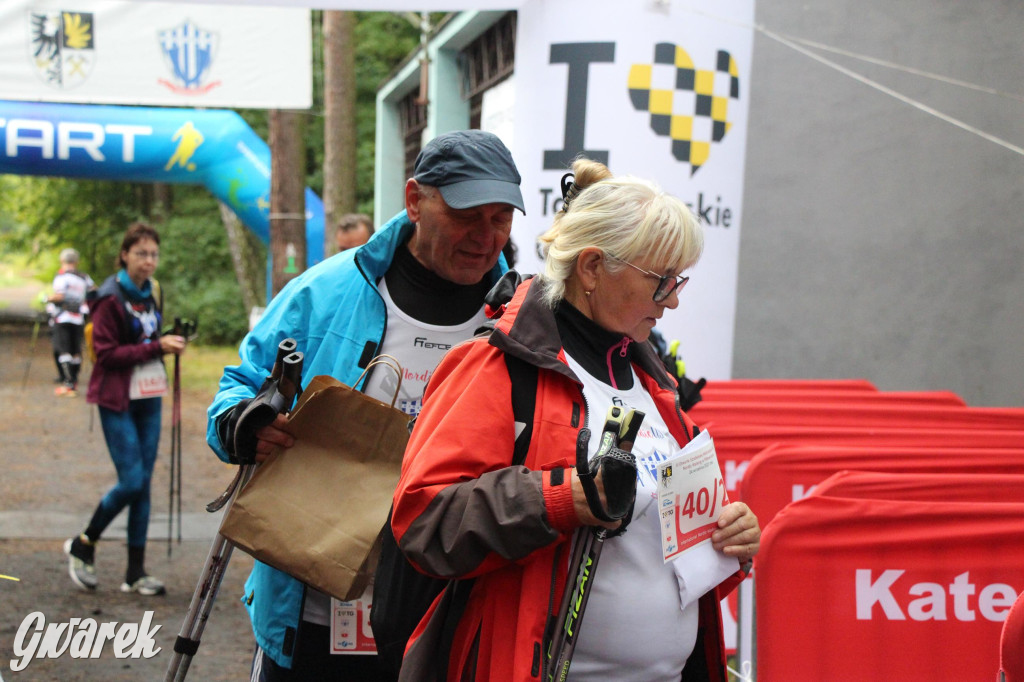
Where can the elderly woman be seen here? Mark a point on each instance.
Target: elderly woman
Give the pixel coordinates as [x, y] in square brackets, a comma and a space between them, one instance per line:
[612, 268]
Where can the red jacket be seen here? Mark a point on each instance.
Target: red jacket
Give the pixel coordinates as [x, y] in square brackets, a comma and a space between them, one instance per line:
[116, 352]
[461, 511]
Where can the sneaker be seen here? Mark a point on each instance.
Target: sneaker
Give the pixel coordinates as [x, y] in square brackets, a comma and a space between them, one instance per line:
[63, 390]
[80, 566]
[147, 585]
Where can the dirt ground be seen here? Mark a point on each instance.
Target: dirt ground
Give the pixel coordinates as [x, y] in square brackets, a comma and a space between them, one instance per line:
[53, 462]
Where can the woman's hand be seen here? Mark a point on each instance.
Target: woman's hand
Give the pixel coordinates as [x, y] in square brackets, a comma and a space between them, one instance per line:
[582, 507]
[738, 534]
[171, 343]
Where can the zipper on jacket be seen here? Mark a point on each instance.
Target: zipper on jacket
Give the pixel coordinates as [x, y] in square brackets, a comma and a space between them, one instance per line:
[682, 420]
[622, 347]
[384, 329]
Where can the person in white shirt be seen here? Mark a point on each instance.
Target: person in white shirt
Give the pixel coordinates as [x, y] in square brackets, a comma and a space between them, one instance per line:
[67, 307]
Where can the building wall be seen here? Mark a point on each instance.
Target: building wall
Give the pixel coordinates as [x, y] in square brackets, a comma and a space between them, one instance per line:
[878, 240]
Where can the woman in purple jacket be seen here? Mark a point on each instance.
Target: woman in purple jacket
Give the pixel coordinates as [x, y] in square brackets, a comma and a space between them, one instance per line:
[127, 382]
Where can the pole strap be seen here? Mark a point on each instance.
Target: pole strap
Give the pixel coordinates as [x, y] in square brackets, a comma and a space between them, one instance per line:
[186, 646]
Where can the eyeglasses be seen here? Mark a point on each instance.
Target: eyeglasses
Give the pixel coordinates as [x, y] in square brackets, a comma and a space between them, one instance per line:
[666, 283]
[143, 255]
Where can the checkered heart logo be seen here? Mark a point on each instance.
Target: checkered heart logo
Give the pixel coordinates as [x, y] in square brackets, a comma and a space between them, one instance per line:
[687, 104]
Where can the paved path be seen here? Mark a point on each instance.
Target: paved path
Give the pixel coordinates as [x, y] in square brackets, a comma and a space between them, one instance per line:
[54, 467]
[53, 525]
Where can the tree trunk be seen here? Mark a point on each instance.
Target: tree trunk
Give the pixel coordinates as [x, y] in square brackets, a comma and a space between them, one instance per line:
[339, 122]
[287, 198]
[247, 258]
[163, 201]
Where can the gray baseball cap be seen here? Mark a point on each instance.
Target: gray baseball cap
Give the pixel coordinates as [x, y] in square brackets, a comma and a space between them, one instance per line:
[470, 168]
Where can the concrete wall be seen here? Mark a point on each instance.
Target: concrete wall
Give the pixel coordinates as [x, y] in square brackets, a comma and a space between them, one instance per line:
[878, 240]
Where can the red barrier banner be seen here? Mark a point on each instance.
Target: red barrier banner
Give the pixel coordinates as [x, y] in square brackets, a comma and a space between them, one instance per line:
[849, 396]
[801, 384]
[737, 444]
[862, 589]
[925, 487]
[783, 474]
[860, 414]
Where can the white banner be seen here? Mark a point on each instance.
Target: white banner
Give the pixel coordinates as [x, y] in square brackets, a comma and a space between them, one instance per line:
[659, 90]
[379, 5]
[155, 53]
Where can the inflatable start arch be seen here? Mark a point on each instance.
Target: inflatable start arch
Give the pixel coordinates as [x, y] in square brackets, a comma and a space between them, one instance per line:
[215, 148]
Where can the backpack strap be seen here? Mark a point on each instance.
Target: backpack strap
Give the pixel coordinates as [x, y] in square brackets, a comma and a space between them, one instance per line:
[524, 402]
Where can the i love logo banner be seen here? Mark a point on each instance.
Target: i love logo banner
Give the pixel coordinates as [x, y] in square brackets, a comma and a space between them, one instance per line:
[689, 105]
[656, 90]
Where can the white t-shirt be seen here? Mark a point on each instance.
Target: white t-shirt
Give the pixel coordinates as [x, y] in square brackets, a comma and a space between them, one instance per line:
[634, 628]
[74, 286]
[418, 347]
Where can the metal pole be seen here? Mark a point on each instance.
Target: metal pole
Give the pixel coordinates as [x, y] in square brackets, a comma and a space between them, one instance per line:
[187, 642]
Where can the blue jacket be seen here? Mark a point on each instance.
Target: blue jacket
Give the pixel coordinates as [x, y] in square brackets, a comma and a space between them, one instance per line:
[332, 311]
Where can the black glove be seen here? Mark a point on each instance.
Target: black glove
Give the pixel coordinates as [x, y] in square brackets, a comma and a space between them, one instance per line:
[227, 425]
[616, 466]
[237, 428]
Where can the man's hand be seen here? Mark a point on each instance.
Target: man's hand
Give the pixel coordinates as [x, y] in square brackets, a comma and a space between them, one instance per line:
[273, 436]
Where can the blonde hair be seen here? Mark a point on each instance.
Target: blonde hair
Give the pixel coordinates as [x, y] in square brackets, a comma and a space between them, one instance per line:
[626, 217]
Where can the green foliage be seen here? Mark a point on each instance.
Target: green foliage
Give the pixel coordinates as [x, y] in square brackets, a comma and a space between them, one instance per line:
[43, 215]
[196, 271]
[40, 216]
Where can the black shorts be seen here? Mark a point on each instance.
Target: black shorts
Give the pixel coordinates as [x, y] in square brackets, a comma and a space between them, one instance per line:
[313, 662]
[68, 338]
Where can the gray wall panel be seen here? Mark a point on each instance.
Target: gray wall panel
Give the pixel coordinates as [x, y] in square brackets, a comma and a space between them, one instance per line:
[880, 241]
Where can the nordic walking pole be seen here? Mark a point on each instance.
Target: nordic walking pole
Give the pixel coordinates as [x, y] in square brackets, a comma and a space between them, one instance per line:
[175, 425]
[275, 396]
[188, 330]
[31, 351]
[617, 467]
[185, 329]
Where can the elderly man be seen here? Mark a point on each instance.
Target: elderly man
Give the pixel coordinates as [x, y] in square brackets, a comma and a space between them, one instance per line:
[423, 274]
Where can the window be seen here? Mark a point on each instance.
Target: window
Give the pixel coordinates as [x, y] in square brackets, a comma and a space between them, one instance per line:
[487, 61]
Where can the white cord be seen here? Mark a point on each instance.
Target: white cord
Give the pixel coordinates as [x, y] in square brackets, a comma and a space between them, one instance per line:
[745, 675]
[792, 43]
[892, 93]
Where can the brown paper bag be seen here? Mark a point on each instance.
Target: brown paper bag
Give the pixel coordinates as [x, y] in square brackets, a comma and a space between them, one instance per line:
[315, 510]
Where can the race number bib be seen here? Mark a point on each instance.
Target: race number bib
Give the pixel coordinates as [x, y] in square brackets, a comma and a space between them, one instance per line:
[691, 494]
[350, 626]
[149, 380]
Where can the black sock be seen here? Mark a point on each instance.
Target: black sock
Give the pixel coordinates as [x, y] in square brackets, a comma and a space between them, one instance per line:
[65, 370]
[94, 529]
[136, 564]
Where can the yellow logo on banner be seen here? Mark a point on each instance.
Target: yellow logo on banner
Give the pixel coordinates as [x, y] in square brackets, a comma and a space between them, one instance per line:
[687, 104]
